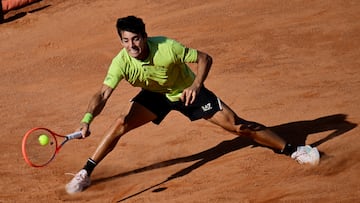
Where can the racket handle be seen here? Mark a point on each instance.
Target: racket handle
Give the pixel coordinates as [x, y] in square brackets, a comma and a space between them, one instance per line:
[74, 135]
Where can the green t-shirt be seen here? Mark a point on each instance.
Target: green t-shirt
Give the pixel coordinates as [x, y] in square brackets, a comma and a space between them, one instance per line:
[164, 71]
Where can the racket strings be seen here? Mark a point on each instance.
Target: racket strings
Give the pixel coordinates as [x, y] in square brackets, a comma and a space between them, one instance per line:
[37, 152]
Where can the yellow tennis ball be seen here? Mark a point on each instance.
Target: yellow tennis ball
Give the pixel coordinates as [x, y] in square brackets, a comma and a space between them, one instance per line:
[43, 140]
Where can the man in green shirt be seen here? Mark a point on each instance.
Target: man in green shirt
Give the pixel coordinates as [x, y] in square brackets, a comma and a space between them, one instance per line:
[159, 66]
[164, 71]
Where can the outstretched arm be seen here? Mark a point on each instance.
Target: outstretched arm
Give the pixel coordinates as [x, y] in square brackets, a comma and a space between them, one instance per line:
[96, 105]
[204, 62]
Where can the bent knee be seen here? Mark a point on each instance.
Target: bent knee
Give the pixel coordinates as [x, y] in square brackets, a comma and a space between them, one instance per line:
[120, 121]
[119, 127]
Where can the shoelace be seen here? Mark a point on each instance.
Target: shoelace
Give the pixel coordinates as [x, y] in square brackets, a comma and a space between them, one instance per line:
[71, 174]
[78, 177]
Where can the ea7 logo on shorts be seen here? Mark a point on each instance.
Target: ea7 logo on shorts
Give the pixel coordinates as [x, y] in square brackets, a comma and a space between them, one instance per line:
[207, 107]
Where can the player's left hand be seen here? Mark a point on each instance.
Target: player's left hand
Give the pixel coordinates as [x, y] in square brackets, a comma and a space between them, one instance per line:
[189, 94]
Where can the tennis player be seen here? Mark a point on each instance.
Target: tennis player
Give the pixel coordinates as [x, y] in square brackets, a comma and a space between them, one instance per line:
[159, 66]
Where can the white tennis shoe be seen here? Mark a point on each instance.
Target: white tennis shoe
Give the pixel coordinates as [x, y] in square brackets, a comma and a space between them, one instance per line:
[306, 155]
[79, 183]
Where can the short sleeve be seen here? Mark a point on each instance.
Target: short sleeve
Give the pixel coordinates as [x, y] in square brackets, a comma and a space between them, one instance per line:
[184, 54]
[115, 73]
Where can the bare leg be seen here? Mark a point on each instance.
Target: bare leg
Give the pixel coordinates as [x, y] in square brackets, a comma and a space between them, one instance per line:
[137, 116]
[228, 120]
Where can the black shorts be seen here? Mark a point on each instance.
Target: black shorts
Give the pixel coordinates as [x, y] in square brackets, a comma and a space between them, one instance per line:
[205, 105]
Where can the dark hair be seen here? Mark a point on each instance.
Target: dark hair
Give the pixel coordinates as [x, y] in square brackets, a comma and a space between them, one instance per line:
[131, 24]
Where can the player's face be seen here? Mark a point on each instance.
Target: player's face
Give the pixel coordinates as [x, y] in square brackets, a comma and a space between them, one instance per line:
[135, 44]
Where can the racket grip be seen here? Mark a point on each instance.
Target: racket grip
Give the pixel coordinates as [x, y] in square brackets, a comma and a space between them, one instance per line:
[74, 135]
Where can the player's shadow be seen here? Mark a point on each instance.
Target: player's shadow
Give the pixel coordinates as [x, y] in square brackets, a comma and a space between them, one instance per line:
[297, 132]
[201, 158]
[294, 132]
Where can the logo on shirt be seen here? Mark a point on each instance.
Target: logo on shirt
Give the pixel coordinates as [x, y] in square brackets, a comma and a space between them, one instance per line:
[206, 107]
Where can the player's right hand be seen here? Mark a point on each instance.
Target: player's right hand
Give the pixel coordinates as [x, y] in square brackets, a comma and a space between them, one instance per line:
[85, 130]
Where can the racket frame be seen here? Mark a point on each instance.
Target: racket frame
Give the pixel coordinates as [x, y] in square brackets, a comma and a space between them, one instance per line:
[68, 137]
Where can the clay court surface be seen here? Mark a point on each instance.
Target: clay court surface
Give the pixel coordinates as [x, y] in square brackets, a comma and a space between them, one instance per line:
[291, 65]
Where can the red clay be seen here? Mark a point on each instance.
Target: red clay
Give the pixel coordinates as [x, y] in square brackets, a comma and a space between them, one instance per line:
[291, 65]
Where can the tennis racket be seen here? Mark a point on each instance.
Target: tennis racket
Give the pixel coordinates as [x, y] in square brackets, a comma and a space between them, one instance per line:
[40, 145]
